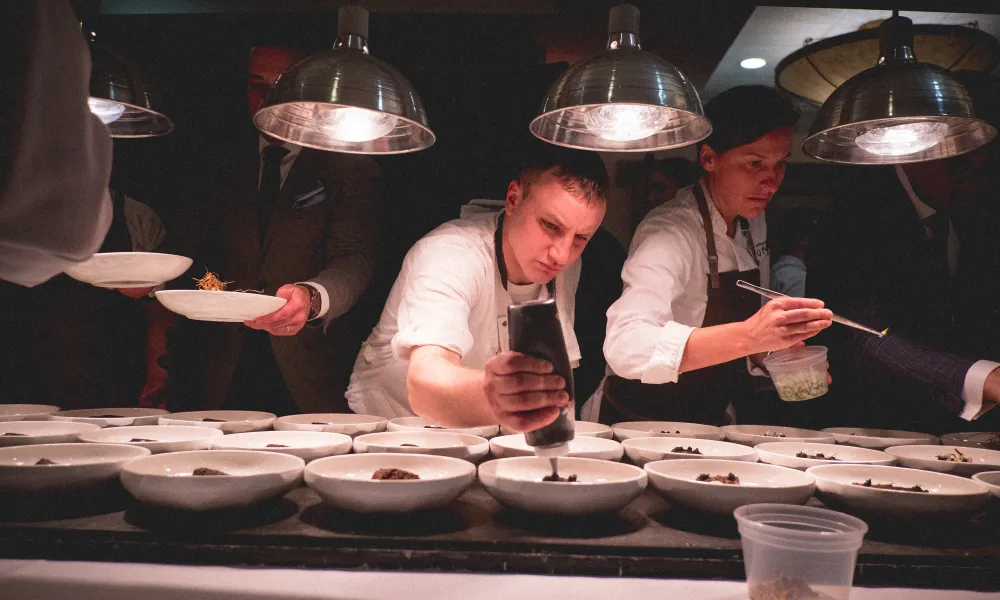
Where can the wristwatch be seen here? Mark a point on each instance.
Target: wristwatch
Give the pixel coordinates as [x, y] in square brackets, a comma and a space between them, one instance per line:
[315, 300]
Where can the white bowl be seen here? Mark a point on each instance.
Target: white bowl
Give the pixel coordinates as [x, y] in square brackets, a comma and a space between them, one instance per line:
[677, 481]
[602, 486]
[635, 429]
[224, 307]
[926, 457]
[346, 481]
[752, 435]
[879, 438]
[348, 424]
[26, 412]
[580, 427]
[110, 417]
[507, 446]
[973, 439]
[229, 421]
[422, 424]
[77, 466]
[991, 479]
[947, 493]
[644, 450]
[41, 432]
[439, 443]
[166, 479]
[168, 439]
[307, 445]
[784, 454]
[129, 269]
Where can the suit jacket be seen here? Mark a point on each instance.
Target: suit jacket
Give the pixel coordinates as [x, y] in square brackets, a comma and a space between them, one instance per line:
[873, 263]
[323, 228]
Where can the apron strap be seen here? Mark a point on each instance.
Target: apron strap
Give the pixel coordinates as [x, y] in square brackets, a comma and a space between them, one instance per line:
[713, 254]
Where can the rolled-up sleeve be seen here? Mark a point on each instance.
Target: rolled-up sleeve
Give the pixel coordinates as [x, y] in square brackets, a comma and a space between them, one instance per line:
[644, 341]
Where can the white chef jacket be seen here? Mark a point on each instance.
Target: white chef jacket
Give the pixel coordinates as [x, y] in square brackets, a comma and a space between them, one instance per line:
[975, 378]
[448, 294]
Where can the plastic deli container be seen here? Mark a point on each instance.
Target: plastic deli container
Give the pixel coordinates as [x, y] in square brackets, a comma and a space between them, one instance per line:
[798, 552]
[799, 373]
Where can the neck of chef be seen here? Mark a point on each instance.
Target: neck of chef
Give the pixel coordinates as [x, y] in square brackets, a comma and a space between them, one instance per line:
[726, 209]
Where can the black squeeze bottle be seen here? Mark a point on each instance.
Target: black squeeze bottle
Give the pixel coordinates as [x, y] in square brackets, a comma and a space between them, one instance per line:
[535, 330]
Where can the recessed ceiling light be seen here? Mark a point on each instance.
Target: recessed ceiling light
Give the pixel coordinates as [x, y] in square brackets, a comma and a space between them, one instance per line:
[752, 63]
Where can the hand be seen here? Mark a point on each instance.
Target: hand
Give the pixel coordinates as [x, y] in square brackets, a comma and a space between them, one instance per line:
[522, 391]
[784, 322]
[290, 318]
[138, 292]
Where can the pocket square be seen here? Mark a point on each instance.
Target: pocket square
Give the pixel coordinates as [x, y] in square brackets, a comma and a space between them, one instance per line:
[309, 198]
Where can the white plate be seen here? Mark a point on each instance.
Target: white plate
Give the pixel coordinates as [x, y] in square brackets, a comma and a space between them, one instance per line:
[26, 412]
[422, 424]
[346, 481]
[752, 435]
[507, 446]
[879, 439]
[580, 428]
[307, 445]
[783, 454]
[168, 439]
[947, 493]
[110, 417]
[677, 481]
[348, 424]
[634, 429]
[602, 486]
[973, 439]
[129, 269]
[991, 479]
[41, 432]
[926, 457]
[226, 307]
[229, 421]
[77, 466]
[644, 450]
[439, 443]
[166, 479]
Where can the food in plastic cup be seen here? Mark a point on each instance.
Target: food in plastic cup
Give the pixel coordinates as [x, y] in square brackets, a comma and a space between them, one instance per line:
[799, 373]
[798, 552]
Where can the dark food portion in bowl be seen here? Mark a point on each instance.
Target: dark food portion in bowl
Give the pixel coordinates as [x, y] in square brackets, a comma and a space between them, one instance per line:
[781, 587]
[142, 440]
[560, 479]
[955, 456]
[15, 435]
[392, 473]
[320, 423]
[817, 456]
[211, 420]
[408, 446]
[276, 446]
[688, 450]
[729, 479]
[45, 461]
[207, 471]
[773, 434]
[106, 417]
[662, 431]
[890, 486]
[432, 427]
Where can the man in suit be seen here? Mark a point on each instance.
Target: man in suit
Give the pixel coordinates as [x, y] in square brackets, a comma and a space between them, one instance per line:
[300, 224]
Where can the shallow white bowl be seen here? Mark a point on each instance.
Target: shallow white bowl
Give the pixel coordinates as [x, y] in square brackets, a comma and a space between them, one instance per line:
[225, 307]
[78, 466]
[948, 493]
[580, 427]
[926, 457]
[752, 435]
[26, 412]
[879, 438]
[759, 483]
[346, 481]
[229, 421]
[991, 479]
[439, 443]
[346, 423]
[166, 480]
[973, 439]
[129, 269]
[644, 450]
[168, 439]
[110, 417]
[507, 446]
[422, 424]
[783, 454]
[307, 445]
[602, 486]
[41, 432]
[634, 429]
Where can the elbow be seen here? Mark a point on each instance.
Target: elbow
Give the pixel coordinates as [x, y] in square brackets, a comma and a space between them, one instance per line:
[415, 390]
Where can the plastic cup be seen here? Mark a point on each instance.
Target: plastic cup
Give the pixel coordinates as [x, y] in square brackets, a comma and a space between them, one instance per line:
[798, 552]
[799, 373]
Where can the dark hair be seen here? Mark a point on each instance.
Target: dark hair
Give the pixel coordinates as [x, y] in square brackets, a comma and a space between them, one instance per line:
[581, 173]
[744, 113]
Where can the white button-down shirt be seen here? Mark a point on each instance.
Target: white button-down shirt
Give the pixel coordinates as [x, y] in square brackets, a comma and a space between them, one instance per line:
[448, 294]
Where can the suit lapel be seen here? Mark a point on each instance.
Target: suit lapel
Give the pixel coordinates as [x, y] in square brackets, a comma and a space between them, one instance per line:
[300, 169]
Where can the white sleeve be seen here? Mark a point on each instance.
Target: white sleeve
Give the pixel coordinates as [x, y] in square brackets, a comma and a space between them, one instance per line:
[972, 390]
[444, 277]
[643, 341]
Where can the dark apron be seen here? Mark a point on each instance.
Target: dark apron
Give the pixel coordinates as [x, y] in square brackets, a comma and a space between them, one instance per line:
[702, 395]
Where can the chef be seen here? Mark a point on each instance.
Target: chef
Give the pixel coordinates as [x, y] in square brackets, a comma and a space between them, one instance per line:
[440, 349]
[679, 336]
